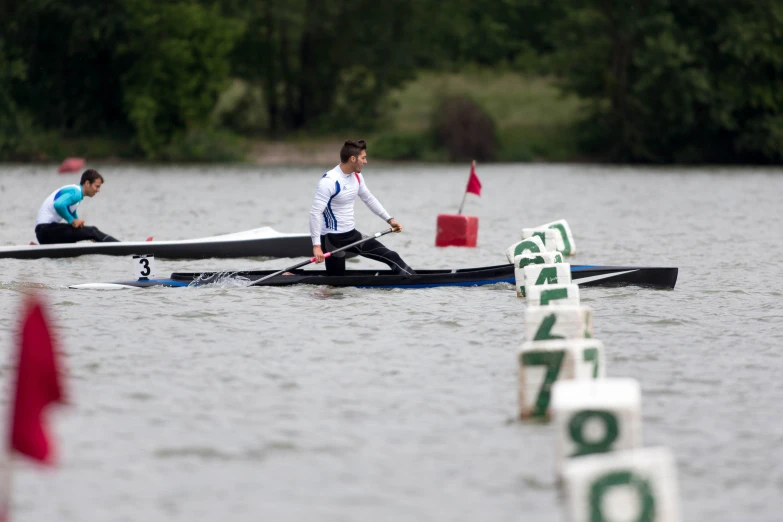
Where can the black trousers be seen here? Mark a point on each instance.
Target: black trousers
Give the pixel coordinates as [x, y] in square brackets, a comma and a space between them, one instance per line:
[51, 233]
[372, 249]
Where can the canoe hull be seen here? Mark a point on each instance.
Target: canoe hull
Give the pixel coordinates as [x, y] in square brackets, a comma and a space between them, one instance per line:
[262, 242]
[655, 277]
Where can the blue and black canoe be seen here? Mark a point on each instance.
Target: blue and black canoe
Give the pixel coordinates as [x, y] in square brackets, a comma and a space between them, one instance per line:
[583, 275]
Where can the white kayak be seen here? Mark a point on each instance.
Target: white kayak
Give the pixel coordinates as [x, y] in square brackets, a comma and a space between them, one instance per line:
[259, 242]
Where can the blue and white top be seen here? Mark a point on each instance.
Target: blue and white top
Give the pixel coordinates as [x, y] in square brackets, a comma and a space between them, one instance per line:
[61, 204]
[332, 210]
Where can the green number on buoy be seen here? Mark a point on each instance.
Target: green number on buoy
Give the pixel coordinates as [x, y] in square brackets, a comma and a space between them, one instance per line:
[553, 295]
[553, 360]
[544, 331]
[566, 243]
[603, 484]
[547, 276]
[526, 245]
[591, 354]
[536, 260]
[576, 427]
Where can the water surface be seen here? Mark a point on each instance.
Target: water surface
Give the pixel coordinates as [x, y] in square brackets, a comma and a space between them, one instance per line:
[311, 403]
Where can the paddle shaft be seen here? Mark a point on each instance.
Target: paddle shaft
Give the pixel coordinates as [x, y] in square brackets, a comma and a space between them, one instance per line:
[328, 254]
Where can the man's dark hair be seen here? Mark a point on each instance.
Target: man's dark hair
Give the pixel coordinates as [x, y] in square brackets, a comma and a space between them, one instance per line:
[352, 148]
[91, 175]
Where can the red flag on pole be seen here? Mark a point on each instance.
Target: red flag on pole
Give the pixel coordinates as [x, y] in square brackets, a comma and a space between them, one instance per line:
[474, 185]
[37, 385]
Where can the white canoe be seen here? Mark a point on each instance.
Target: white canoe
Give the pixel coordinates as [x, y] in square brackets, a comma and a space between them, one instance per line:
[259, 242]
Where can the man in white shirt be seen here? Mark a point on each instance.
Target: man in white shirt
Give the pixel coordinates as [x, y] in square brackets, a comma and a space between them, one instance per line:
[332, 220]
[61, 205]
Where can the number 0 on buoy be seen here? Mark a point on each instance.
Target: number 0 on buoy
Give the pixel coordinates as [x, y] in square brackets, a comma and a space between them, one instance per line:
[144, 267]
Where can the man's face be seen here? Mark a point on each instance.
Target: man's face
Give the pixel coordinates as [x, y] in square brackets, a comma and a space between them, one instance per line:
[361, 160]
[90, 189]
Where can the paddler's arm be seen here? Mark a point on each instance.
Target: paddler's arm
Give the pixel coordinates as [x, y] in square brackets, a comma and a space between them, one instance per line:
[375, 205]
[323, 192]
[62, 203]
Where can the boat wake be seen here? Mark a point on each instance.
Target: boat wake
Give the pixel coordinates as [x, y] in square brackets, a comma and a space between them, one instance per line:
[221, 280]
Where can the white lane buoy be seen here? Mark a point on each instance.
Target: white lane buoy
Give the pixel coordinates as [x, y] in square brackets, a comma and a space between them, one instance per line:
[551, 274]
[523, 260]
[558, 322]
[596, 416]
[553, 295]
[565, 240]
[542, 363]
[547, 235]
[531, 245]
[628, 485]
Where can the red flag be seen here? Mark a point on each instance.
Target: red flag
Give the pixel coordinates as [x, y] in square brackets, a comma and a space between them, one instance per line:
[474, 185]
[37, 385]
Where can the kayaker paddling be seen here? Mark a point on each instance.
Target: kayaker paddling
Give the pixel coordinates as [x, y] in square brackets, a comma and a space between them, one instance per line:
[332, 214]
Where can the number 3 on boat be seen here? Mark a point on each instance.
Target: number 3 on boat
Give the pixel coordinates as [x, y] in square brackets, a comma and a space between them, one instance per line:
[144, 267]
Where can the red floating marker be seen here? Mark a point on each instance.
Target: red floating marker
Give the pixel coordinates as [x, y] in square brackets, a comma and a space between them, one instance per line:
[71, 165]
[456, 230]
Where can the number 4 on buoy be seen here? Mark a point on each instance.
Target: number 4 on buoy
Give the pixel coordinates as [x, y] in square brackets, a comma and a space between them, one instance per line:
[144, 267]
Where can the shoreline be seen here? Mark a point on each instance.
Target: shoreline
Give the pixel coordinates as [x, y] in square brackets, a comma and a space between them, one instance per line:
[325, 151]
[293, 153]
[275, 153]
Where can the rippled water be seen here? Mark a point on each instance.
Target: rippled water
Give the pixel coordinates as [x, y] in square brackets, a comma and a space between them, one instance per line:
[310, 403]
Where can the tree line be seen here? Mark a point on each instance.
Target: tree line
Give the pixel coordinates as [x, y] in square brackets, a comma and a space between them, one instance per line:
[664, 80]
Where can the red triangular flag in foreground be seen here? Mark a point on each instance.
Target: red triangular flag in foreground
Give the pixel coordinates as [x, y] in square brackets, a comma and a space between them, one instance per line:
[474, 185]
[37, 385]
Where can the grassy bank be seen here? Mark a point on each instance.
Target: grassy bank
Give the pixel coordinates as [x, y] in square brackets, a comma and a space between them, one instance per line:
[534, 121]
[200, 146]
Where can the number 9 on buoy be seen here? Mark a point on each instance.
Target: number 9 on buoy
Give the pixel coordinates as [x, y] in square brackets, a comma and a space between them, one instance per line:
[144, 267]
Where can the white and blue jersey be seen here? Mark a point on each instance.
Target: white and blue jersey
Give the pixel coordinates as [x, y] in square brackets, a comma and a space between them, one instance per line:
[332, 210]
[61, 204]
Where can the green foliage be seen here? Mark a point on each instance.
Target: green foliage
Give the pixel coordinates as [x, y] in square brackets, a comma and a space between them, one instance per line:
[205, 145]
[242, 109]
[464, 129]
[534, 121]
[179, 69]
[485, 32]
[52, 146]
[325, 65]
[395, 145]
[15, 124]
[132, 68]
[549, 143]
[406, 146]
[654, 81]
[67, 47]
[676, 81]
